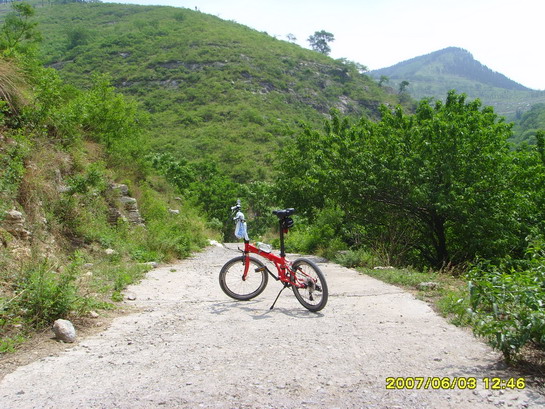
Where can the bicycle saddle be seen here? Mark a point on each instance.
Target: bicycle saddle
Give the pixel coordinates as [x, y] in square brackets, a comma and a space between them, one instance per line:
[282, 214]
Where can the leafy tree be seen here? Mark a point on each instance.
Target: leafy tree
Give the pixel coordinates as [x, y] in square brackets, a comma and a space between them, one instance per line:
[540, 137]
[403, 86]
[383, 79]
[114, 120]
[320, 40]
[77, 36]
[434, 186]
[291, 38]
[530, 177]
[18, 31]
[529, 123]
[360, 68]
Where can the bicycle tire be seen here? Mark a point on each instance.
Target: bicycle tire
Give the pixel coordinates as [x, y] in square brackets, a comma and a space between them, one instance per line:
[231, 278]
[315, 293]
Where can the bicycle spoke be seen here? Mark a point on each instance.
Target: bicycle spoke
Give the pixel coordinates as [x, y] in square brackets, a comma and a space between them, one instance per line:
[311, 288]
[235, 285]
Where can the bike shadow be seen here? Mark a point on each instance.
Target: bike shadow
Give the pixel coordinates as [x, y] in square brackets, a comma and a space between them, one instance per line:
[256, 311]
[290, 312]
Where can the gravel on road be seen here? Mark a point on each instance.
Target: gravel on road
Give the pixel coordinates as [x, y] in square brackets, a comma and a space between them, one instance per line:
[190, 346]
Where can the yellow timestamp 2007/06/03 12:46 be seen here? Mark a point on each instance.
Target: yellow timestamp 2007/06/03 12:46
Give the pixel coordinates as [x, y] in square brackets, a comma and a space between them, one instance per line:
[446, 382]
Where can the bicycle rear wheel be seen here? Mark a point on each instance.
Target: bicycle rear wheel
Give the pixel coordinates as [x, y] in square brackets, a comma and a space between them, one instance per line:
[233, 284]
[311, 290]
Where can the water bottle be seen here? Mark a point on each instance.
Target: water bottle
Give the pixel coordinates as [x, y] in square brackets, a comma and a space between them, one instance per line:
[266, 248]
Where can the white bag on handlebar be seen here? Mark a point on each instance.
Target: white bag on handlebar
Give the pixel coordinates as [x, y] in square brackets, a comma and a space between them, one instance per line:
[240, 230]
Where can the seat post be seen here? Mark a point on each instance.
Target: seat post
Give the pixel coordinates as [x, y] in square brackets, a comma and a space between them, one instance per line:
[282, 248]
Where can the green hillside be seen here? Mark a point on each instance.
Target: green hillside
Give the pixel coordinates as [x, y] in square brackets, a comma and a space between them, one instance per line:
[215, 89]
[82, 214]
[434, 74]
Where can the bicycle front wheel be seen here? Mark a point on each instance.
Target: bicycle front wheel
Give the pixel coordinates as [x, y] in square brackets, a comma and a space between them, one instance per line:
[311, 287]
[232, 280]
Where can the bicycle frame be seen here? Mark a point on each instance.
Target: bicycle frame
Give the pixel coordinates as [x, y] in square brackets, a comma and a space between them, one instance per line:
[282, 265]
[279, 262]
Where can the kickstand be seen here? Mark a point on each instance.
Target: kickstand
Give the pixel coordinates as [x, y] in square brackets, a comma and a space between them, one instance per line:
[276, 299]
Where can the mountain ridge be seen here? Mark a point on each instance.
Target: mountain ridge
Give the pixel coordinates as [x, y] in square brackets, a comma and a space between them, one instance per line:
[433, 75]
[457, 61]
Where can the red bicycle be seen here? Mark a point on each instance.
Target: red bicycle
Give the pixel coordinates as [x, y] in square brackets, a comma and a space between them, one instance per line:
[245, 277]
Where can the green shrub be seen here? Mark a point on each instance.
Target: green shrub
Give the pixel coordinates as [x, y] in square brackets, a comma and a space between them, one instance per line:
[92, 179]
[356, 258]
[454, 304]
[324, 236]
[507, 302]
[47, 294]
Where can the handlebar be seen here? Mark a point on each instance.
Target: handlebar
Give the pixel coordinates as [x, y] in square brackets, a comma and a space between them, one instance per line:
[286, 222]
[236, 207]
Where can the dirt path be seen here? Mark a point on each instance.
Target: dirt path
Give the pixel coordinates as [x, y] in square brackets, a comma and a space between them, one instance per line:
[192, 347]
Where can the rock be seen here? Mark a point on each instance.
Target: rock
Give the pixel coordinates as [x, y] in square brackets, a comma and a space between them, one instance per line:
[14, 223]
[173, 211]
[93, 314]
[110, 252]
[131, 206]
[58, 176]
[114, 215]
[119, 188]
[21, 253]
[63, 189]
[64, 331]
[152, 264]
[430, 285]
[128, 202]
[383, 268]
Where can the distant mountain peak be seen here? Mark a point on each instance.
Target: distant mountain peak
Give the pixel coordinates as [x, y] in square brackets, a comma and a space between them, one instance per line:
[448, 62]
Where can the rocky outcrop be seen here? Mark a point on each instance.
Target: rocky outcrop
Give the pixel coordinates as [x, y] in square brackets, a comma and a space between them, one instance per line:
[129, 206]
[14, 223]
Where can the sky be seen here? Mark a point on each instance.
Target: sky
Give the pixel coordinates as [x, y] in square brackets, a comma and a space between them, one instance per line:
[505, 35]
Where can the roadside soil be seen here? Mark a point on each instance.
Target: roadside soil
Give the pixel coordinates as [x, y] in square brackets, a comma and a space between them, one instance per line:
[185, 344]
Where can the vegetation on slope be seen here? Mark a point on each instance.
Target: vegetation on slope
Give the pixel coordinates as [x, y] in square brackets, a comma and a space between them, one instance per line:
[61, 149]
[213, 88]
[529, 123]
